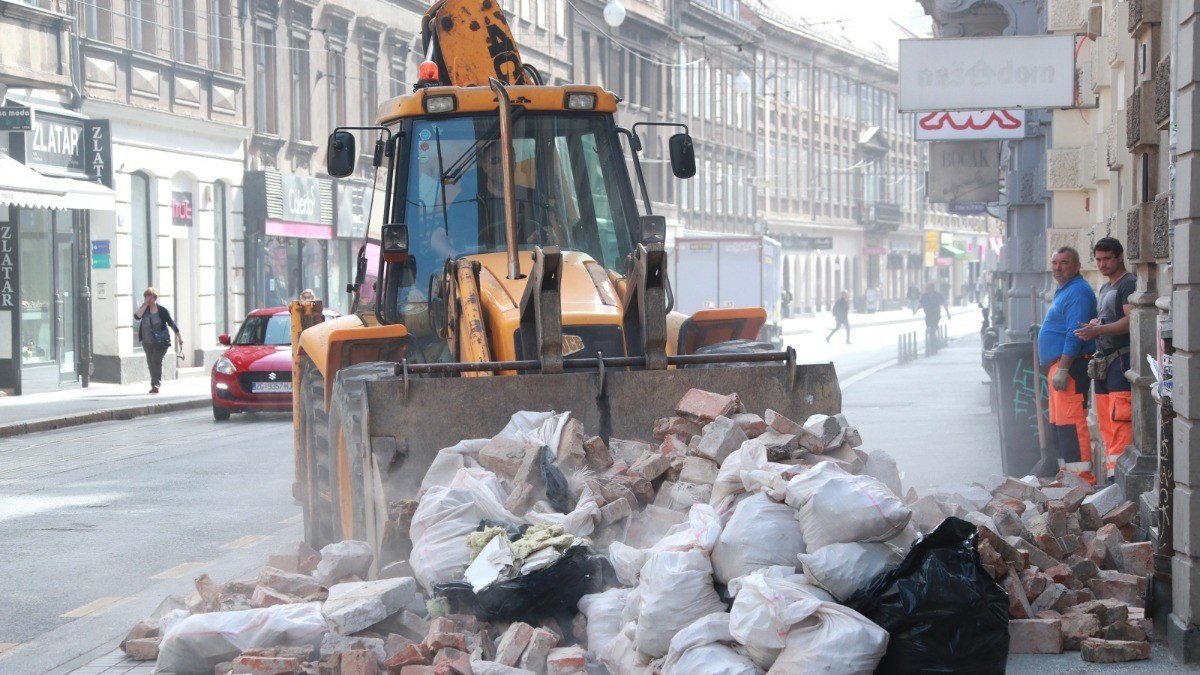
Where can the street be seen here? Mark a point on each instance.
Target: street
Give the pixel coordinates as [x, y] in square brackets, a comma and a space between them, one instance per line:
[101, 522]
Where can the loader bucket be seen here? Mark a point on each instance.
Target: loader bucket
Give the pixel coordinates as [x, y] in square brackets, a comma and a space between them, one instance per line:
[394, 425]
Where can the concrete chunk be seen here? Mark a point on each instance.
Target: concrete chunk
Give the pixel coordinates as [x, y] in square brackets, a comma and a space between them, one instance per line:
[503, 456]
[698, 470]
[354, 606]
[882, 466]
[1106, 500]
[721, 437]
[343, 559]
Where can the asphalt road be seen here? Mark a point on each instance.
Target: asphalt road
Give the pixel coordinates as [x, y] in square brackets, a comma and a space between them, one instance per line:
[99, 523]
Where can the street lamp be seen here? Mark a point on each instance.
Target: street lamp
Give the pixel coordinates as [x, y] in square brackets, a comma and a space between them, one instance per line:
[614, 13]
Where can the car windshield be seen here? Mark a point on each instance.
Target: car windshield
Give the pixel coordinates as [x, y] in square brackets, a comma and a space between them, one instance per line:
[265, 330]
[567, 180]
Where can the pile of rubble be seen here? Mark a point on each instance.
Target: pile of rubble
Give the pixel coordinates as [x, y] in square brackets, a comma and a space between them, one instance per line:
[721, 546]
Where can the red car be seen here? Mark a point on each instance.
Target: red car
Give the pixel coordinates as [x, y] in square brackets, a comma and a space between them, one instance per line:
[255, 373]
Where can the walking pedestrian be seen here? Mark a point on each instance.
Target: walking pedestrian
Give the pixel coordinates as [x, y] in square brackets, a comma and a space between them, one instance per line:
[153, 320]
[1059, 349]
[841, 314]
[932, 302]
[1110, 330]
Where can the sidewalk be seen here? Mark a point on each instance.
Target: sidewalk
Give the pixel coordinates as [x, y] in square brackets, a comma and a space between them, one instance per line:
[823, 320]
[101, 402]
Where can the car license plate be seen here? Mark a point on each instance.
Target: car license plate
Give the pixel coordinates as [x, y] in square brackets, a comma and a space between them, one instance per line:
[271, 387]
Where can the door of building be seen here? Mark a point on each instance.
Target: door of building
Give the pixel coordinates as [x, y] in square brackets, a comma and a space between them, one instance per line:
[49, 299]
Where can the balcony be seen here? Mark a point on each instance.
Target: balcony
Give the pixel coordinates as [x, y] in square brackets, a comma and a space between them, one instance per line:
[32, 46]
[881, 216]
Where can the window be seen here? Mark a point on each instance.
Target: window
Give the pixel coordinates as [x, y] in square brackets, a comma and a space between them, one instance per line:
[265, 102]
[141, 25]
[220, 31]
[184, 24]
[336, 65]
[301, 89]
[141, 231]
[98, 20]
[560, 17]
[370, 86]
[397, 85]
[220, 259]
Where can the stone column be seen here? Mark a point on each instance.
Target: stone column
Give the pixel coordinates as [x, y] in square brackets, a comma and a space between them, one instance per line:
[1183, 628]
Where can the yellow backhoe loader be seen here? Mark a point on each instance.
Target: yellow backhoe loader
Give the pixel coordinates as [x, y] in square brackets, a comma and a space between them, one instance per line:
[506, 268]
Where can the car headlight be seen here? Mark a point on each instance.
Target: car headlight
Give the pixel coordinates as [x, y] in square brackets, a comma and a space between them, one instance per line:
[224, 366]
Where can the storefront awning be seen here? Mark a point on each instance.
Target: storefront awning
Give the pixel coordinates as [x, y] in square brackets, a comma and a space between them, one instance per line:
[22, 186]
[953, 250]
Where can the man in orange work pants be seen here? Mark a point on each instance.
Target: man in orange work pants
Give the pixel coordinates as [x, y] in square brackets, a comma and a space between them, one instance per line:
[1064, 356]
[1110, 330]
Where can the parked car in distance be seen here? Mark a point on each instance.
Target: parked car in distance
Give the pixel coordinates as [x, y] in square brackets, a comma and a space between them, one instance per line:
[255, 372]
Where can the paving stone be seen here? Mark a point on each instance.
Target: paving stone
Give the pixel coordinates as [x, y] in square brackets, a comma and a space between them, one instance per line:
[1095, 650]
[1035, 636]
[342, 559]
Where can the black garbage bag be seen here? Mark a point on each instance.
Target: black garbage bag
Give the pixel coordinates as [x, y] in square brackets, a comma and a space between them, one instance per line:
[941, 609]
[557, 491]
[552, 591]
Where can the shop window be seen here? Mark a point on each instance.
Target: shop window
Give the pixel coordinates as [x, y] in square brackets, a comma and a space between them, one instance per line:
[336, 78]
[37, 287]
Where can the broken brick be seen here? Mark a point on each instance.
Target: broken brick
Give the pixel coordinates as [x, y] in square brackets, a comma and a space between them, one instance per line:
[1035, 636]
[565, 661]
[513, 643]
[705, 406]
[1095, 650]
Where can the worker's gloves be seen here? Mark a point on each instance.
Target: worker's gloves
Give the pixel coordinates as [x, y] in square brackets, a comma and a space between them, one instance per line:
[1060, 378]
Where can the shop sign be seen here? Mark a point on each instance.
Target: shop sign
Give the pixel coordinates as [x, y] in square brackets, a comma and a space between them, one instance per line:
[933, 244]
[301, 199]
[101, 258]
[808, 243]
[56, 142]
[181, 208]
[963, 171]
[875, 250]
[97, 153]
[8, 266]
[351, 209]
[16, 118]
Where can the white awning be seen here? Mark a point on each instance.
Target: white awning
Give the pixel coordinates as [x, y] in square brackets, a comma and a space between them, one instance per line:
[22, 186]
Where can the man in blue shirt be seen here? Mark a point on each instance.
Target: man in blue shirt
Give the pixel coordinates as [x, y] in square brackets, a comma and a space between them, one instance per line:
[1063, 356]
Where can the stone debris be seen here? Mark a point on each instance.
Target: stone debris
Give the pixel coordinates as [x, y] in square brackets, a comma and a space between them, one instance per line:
[1065, 553]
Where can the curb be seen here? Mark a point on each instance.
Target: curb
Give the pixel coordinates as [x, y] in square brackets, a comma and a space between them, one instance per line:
[113, 414]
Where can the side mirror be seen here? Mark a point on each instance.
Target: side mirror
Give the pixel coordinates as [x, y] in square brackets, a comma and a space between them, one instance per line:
[683, 156]
[654, 229]
[394, 242]
[340, 154]
[224, 339]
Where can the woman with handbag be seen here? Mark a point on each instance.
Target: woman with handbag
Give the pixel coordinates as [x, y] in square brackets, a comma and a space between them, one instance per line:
[153, 320]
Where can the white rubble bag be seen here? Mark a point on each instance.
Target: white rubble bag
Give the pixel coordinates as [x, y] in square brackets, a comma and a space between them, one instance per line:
[842, 569]
[627, 562]
[703, 647]
[749, 459]
[835, 507]
[622, 659]
[787, 628]
[761, 533]
[439, 532]
[833, 639]
[195, 645]
[700, 531]
[676, 589]
[603, 612]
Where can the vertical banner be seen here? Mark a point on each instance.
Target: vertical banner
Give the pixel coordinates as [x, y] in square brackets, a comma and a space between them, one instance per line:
[97, 152]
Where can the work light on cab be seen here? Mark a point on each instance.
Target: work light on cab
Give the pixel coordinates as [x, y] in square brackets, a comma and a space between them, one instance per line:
[580, 101]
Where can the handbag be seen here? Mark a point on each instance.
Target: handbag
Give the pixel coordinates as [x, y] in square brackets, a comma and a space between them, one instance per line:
[162, 336]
